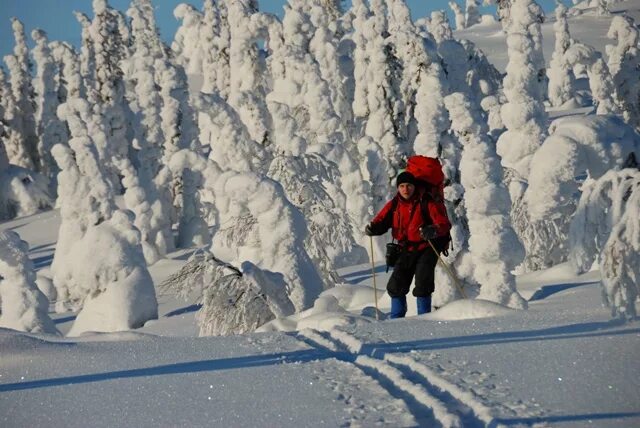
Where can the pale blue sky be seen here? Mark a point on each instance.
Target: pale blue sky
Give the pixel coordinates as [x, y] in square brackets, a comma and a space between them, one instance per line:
[56, 18]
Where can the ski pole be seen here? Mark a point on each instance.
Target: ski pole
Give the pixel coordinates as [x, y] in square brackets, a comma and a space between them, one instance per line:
[373, 271]
[449, 271]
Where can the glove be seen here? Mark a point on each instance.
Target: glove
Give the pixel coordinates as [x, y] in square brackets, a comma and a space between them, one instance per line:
[368, 231]
[428, 232]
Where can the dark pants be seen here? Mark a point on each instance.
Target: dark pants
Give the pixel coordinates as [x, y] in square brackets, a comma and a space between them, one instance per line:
[422, 264]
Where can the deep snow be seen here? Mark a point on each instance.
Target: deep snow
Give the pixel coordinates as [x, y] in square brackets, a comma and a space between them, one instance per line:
[562, 362]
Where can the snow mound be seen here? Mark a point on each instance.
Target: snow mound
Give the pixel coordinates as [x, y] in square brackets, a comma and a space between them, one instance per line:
[466, 309]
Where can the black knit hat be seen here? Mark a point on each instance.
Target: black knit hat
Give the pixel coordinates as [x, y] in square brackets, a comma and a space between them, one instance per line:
[405, 177]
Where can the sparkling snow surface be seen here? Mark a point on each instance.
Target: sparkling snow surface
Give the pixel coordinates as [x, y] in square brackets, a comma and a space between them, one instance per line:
[470, 363]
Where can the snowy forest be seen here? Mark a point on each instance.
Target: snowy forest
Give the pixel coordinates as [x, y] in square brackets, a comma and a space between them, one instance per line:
[265, 145]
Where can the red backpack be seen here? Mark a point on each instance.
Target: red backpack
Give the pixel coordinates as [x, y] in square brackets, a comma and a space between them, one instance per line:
[429, 171]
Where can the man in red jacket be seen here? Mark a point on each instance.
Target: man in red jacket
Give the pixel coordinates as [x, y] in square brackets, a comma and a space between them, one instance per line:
[414, 216]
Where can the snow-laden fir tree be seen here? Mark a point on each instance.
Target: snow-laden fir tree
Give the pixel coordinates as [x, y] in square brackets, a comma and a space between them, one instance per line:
[12, 137]
[247, 83]
[215, 39]
[115, 290]
[602, 204]
[494, 246]
[186, 42]
[270, 231]
[109, 49]
[22, 191]
[618, 260]
[561, 78]
[483, 78]
[377, 105]
[624, 65]
[51, 130]
[603, 89]
[87, 57]
[23, 123]
[458, 14]
[576, 146]
[24, 307]
[312, 184]
[325, 48]
[472, 14]
[439, 26]
[180, 131]
[524, 113]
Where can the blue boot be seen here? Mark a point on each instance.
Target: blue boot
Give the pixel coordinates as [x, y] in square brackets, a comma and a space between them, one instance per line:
[398, 307]
[424, 305]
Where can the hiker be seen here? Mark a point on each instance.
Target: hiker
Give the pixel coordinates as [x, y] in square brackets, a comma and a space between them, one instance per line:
[415, 215]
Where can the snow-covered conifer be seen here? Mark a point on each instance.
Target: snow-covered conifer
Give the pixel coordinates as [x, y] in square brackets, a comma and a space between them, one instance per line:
[186, 42]
[51, 130]
[603, 89]
[215, 41]
[624, 65]
[85, 196]
[87, 55]
[361, 13]
[24, 307]
[152, 218]
[233, 148]
[116, 288]
[561, 77]
[483, 79]
[273, 230]
[247, 84]
[524, 114]
[494, 246]
[602, 204]
[385, 107]
[492, 106]
[618, 262]
[576, 145]
[24, 124]
[458, 13]
[12, 137]
[472, 14]
[324, 46]
[109, 51]
[439, 26]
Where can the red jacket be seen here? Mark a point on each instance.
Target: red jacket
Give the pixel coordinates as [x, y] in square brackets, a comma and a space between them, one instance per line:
[407, 219]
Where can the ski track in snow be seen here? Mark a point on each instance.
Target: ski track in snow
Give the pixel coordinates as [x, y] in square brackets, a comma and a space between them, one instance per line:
[427, 395]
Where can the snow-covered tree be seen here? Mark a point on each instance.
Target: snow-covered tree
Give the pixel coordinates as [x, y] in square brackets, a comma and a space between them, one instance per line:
[494, 246]
[603, 89]
[87, 55]
[24, 124]
[186, 42]
[472, 14]
[576, 145]
[624, 65]
[439, 26]
[24, 307]
[247, 83]
[215, 41]
[524, 114]
[618, 262]
[51, 130]
[482, 77]
[561, 77]
[458, 13]
[85, 196]
[270, 231]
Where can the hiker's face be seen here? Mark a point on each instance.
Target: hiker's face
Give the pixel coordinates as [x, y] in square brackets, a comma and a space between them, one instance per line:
[406, 190]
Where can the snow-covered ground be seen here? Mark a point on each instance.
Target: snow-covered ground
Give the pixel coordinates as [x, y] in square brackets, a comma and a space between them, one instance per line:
[562, 362]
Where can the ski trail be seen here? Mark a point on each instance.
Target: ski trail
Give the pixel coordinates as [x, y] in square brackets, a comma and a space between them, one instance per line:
[425, 393]
[482, 412]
